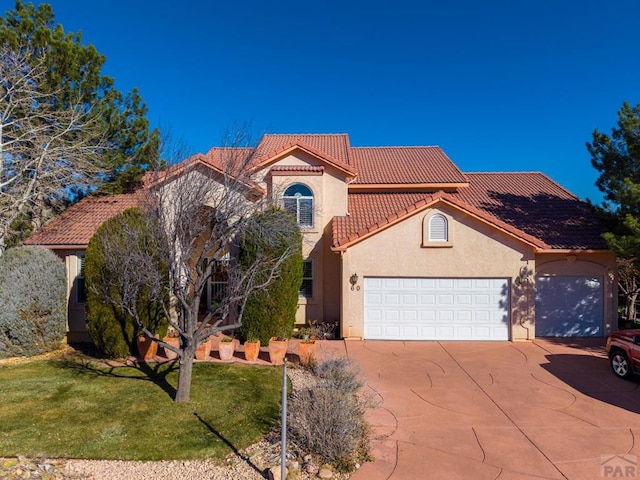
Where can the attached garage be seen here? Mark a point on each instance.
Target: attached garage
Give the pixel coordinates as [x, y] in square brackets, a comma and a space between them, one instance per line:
[569, 306]
[436, 308]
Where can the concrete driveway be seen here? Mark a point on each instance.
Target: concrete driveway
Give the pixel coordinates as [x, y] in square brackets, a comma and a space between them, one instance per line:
[481, 410]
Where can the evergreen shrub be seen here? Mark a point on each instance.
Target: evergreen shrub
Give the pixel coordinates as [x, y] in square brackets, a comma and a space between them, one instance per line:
[112, 330]
[33, 289]
[271, 312]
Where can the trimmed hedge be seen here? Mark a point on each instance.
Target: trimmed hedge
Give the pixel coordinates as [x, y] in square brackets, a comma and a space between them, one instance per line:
[33, 289]
[272, 312]
[111, 329]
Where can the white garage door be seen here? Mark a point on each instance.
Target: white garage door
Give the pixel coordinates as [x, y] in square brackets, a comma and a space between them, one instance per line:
[569, 306]
[436, 309]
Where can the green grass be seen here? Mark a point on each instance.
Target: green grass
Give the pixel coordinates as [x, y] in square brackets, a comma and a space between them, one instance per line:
[69, 409]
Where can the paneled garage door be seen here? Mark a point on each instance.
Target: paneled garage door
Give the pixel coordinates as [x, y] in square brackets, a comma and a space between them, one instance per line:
[569, 306]
[436, 309]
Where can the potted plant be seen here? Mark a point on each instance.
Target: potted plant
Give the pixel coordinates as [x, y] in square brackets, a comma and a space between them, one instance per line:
[305, 333]
[203, 351]
[251, 349]
[147, 348]
[226, 347]
[307, 350]
[278, 349]
[172, 338]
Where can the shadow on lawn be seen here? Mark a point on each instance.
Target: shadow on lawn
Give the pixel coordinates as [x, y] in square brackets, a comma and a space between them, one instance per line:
[152, 372]
[244, 458]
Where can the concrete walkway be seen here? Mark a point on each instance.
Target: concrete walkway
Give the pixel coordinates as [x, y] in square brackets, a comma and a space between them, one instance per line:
[480, 410]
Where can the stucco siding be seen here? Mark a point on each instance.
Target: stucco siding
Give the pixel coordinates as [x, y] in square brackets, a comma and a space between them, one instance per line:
[476, 250]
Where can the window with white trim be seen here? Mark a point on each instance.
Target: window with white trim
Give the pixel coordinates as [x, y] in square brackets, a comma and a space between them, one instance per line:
[306, 289]
[298, 201]
[438, 228]
[81, 286]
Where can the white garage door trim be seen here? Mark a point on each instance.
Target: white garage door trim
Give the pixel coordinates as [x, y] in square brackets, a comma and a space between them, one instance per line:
[569, 306]
[436, 308]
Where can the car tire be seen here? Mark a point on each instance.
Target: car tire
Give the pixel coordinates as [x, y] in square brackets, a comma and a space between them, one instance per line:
[620, 364]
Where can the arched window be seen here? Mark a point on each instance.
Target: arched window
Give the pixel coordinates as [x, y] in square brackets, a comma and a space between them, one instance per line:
[298, 200]
[438, 231]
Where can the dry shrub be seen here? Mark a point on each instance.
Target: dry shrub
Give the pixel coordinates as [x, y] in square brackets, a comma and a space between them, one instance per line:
[327, 420]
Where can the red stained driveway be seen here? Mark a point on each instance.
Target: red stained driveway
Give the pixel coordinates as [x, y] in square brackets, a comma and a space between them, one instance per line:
[500, 410]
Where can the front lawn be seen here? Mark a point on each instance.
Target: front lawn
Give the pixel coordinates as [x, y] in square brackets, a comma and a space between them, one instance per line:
[71, 409]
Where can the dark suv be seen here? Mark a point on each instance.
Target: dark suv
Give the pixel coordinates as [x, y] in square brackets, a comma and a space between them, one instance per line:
[623, 348]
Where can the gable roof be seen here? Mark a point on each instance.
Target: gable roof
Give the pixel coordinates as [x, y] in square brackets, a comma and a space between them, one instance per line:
[74, 227]
[283, 145]
[335, 145]
[525, 205]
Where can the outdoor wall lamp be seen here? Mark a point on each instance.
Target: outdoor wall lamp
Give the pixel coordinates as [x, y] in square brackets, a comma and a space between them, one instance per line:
[353, 280]
[524, 277]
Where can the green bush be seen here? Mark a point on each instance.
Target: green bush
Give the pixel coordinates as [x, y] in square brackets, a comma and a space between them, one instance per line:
[272, 312]
[112, 330]
[33, 289]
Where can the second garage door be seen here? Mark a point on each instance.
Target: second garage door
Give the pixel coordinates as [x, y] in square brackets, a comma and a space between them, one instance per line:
[569, 306]
[436, 308]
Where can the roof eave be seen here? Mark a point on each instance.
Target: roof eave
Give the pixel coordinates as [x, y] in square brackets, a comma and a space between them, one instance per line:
[270, 158]
[59, 246]
[407, 186]
[570, 251]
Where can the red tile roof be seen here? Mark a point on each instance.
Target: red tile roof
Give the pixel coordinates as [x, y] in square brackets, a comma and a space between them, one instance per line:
[335, 145]
[404, 165]
[391, 183]
[76, 225]
[527, 205]
[284, 169]
[534, 203]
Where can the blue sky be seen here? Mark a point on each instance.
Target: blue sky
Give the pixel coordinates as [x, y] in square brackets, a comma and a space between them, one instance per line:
[500, 85]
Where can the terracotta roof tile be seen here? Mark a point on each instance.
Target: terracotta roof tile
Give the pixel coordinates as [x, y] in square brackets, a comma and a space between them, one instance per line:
[529, 206]
[404, 165]
[534, 203]
[77, 224]
[297, 169]
[335, 145]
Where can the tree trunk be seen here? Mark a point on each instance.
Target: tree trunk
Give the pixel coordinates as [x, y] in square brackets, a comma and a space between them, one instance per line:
[631, 307]
[184, 374]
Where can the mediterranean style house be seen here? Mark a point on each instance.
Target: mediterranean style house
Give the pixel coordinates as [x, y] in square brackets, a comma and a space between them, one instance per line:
[402, 245]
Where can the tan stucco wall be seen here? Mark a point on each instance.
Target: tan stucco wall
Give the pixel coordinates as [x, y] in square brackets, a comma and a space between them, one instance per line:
[76, 320]
[476, 250]
[330, 200]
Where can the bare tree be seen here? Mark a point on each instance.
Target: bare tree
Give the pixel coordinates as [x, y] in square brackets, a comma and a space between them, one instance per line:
[198, 211]
[45, 148]
[628, 277]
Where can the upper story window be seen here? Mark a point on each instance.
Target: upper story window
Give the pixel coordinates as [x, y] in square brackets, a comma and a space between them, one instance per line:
[438, 228]
[298, 200]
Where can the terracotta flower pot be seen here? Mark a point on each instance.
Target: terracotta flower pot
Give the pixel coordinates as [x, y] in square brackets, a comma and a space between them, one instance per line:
[147, 348]
[226, 349]
[307, 351]
[251, 351]
[203, 351]
[174, 342]
[277, 350]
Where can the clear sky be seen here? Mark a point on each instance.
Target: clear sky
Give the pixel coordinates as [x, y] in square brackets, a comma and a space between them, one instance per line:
[508, 85]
